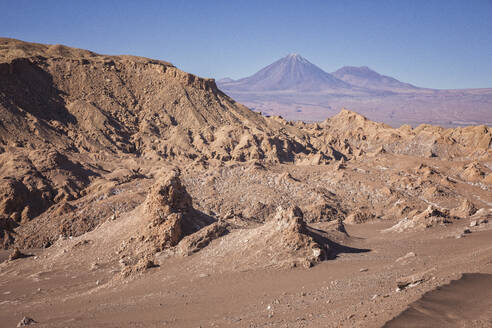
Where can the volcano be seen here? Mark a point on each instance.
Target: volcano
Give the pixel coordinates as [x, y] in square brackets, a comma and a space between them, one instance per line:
[364, 77]
[297, 89]
[292, 72]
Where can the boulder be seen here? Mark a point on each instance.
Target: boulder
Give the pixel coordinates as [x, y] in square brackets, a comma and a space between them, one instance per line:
[17, 254]
[26, 321]
[295, 236]
[466, 209]
[359, 216]
[200, 239]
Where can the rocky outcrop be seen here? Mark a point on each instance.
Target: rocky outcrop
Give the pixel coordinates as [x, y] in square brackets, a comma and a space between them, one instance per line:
[168, 219]
[465, 210]
[73, 122]
[294, 237]
[432, 216]
[200, 239]
[359, 216]
[17, 254]
[167, 206]
[376, 139]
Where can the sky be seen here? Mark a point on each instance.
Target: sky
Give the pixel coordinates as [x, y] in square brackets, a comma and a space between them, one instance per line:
[437, 44]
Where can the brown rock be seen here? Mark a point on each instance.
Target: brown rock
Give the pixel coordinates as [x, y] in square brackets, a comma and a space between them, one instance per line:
[407, 256]
[26, 321]
[17, 254]
[414, 279]
[482, 221]
[296, 237]
[359, 216]
[200, 239]
[167, 196]
[466, 209]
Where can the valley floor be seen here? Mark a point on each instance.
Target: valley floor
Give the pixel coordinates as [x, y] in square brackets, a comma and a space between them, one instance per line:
[354, 290]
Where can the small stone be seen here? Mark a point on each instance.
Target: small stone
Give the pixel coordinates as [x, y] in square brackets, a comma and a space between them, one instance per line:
[97, 283]
[149, 264]
[407, 256]
[414, 279]
[364, 270]
[467, 231]
[374, 296]
[473, 223]
[26, 321]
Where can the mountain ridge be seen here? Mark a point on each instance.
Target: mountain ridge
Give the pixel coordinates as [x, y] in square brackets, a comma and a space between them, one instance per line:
[365, 77]
[296, 89]
[292, 72]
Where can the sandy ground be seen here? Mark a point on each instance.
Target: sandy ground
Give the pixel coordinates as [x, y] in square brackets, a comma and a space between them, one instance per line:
[464, 302]
[354, 290]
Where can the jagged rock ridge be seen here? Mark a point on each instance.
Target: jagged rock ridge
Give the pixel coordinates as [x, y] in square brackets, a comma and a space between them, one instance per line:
[80, 129]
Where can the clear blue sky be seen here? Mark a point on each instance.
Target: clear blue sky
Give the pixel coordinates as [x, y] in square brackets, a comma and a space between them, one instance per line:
[439, 44]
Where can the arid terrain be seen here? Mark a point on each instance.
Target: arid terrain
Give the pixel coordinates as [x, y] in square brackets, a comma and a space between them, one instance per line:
[133, 194]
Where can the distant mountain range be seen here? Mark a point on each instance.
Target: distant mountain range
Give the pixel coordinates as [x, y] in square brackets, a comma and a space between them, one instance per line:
[364, 77]
[296, 89]
[289, 73]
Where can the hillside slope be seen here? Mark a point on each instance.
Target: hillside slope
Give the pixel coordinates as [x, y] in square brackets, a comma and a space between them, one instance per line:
[77, 127]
